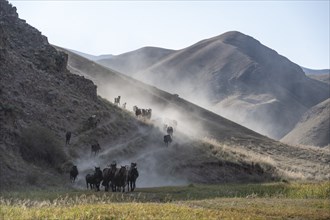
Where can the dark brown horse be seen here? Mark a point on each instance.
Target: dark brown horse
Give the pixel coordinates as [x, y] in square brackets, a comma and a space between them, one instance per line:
[169, 130]
[94, 180]
[108, 176]
[95, 148]
[167, 139]
[67, 137]
[117, 100]
[120, 179]
[73, 173]
[133, 174]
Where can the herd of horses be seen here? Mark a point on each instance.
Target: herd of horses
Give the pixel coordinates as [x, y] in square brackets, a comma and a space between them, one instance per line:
[111, 177]
[146, 114]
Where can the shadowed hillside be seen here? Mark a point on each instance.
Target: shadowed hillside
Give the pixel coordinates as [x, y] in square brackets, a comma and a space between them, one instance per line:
[313, 128]
[237, 77]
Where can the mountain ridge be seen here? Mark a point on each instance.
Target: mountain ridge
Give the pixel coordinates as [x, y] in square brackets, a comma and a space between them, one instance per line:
[234, 65]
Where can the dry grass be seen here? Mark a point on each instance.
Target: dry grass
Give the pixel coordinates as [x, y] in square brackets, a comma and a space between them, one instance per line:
[291, 162]
[235, 201]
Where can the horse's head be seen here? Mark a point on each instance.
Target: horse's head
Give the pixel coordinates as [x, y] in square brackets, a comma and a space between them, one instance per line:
[133, 164]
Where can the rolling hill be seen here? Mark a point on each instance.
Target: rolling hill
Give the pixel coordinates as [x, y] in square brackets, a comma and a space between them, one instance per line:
[237, 77]
[313, 128]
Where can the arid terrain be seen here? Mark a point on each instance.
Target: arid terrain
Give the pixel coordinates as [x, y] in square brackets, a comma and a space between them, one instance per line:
[213, 168]
[46, 92]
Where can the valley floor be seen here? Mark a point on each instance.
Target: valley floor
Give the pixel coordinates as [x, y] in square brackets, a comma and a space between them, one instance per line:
[227, 201]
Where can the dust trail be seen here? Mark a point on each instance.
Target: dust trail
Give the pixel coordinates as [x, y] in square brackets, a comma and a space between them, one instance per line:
[149, 154]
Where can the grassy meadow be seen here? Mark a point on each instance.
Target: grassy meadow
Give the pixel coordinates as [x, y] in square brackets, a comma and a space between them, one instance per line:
[227, 201]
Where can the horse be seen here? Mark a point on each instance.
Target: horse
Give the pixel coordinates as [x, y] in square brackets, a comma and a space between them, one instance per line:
[124, 105]
[94, 179]
[67, 137]
[169, 130]
[167, 139]
[120, 179]
[117, 100]
[146, 113]
[108, 176]
[95, 148]
[133, 174]
[73, 173]
[138, 112]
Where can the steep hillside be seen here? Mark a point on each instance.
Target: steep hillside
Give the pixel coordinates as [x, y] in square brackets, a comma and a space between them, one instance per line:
[135, 61]
[237, 77]
[40, 101]
[221, 137]
[313, 128]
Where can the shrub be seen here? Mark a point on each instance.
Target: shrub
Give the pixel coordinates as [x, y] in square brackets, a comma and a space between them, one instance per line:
[40, 146]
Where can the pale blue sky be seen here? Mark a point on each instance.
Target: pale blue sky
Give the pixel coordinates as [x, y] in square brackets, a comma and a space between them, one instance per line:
[298, 30]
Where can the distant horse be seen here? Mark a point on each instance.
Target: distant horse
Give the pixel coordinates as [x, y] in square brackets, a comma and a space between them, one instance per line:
[108, 176]
[137, 111]
[169, 130]
[120, 179]
[94, 180]
[133, 174]
[95, 148]
[73, 173]
[146, 113]
[117, 100]
[167, 139]
[67, 137]
[124, 105]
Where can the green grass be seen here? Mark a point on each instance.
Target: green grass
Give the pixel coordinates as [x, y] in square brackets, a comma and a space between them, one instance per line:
[228, 201]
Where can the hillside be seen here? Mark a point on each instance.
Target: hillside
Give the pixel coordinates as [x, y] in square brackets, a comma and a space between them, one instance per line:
[321, 77]
[41, 100]
[313, 128]
[221, 137]
[135, 61]
[237, 77]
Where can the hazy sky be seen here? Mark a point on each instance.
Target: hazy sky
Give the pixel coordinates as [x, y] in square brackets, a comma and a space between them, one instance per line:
[298, 30]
